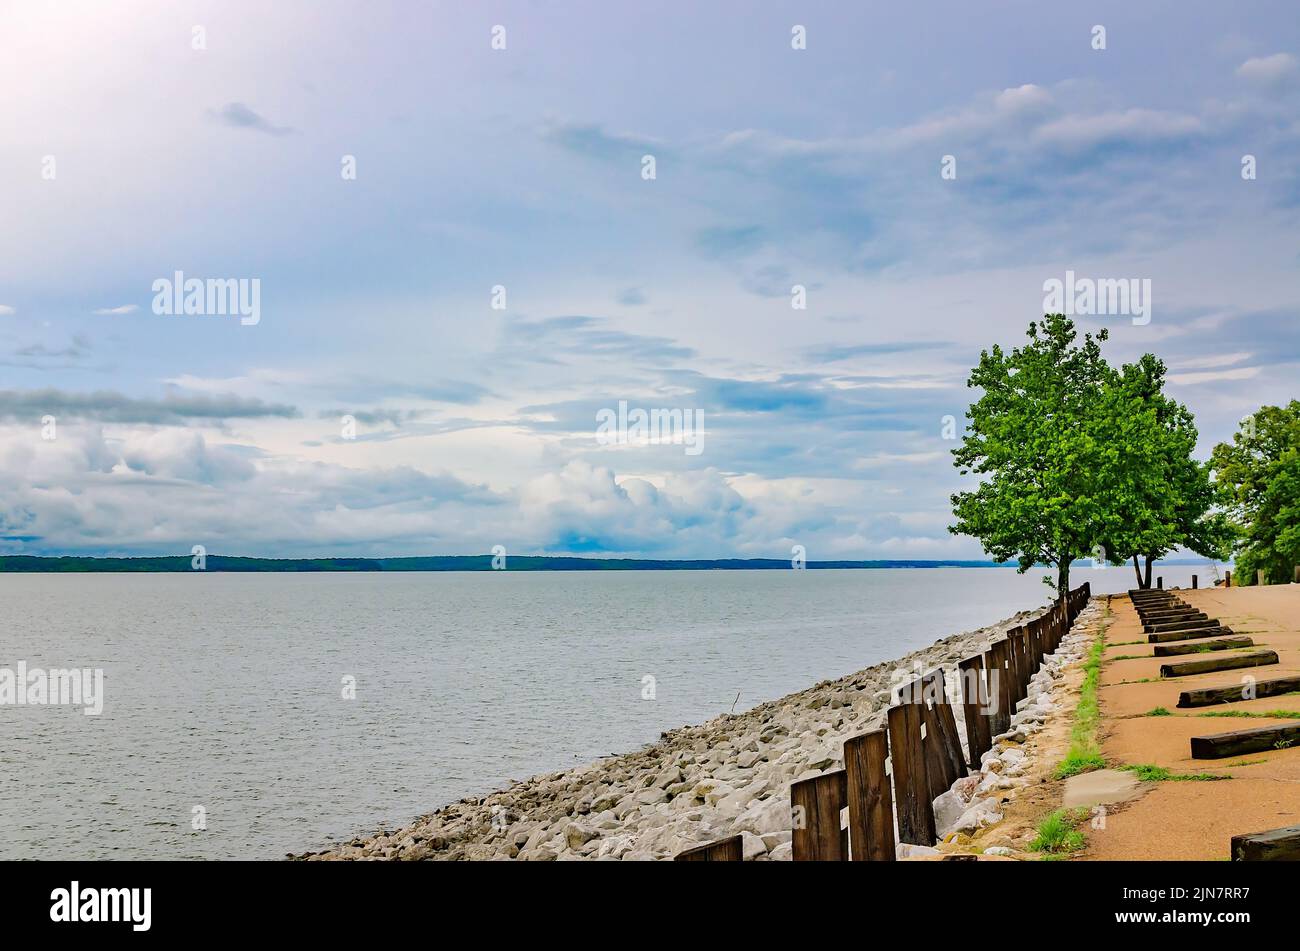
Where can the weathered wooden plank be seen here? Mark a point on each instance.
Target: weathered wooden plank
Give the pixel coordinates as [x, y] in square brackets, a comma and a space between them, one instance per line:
[1208, 665]
[1275, 845]
[815, 805]
[1014, 666]
[1197, 647]
[871, 806]
[1198, 632]
[1179, 625]
[1238, 742]
[1251, 690]
[911, 784]
[937, 768]
[724, 850]
[1000, 684]
[975, 707]
[1026, 662]
[1178, 614]
[937, 690]
[1158, 609]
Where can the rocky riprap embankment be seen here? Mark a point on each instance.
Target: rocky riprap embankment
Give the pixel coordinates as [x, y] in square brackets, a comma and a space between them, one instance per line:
[697, 784]
[976, 802]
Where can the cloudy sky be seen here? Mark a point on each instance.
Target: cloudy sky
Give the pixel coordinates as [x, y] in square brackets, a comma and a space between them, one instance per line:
[127, 154]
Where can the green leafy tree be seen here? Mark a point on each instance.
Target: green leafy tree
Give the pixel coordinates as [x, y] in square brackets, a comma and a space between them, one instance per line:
[1259, 472]
[1035, 438]
[1165, 499]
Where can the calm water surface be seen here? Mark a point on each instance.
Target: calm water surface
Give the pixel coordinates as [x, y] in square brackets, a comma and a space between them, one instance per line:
[224, 690]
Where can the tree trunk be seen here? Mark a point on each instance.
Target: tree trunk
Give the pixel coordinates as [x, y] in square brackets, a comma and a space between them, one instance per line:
[1137, 570]
[1062, 580]
[1149, 560]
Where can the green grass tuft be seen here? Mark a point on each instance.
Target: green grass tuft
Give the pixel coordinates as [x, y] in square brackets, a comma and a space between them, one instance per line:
[1058, 833]
[1084, 755]
[1158, 712]
[1266, 715]
[1149, 773]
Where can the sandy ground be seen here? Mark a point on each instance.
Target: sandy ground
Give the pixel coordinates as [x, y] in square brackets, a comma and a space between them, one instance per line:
[1195, 819]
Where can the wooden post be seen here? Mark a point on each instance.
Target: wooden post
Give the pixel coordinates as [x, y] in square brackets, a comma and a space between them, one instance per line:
[1227, 579]
[999, 675]
[1160, 581]
[1013, 668]
[1297, 575]
[1193, 582]
[725, 850]
[1261, 577]
[911, 785]
[937, 771]
[815, 806]
[1021, 640]
[946, 722]
[871, 807]
[975, 700]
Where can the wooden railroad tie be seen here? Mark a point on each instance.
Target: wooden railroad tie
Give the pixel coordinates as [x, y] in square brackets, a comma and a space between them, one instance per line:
[1260, 739]
[1251, 689]
[1196, 647]
[1208, 665]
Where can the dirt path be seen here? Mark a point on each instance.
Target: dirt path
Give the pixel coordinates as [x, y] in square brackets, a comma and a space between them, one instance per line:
[1195, 819]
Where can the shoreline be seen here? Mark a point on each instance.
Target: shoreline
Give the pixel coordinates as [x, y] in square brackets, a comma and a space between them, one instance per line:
[698, 783]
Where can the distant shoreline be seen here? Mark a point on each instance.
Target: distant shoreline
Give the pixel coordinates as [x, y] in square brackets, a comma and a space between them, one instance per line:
[88, 564]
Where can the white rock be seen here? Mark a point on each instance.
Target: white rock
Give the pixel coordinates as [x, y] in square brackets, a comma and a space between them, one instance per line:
[770, 815]
[752, 846]
[982, 812]
[948, 808]
[905, 850]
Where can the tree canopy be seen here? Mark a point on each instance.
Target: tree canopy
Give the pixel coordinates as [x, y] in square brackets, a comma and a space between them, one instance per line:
[1078, 458]
[1259, 475]
[1033, 437]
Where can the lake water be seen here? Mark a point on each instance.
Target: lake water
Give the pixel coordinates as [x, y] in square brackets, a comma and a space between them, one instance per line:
[224, 691]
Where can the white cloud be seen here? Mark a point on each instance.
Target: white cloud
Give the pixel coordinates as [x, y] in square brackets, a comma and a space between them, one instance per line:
[1023, 97]
[1136, 125]
[1214, 376]
[123, 309]
[1268, 69]
[6, 310]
